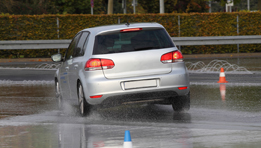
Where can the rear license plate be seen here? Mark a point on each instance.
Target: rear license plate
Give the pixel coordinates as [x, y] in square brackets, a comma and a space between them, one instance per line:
[140, 84]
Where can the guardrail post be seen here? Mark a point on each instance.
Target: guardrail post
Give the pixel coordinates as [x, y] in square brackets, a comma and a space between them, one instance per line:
[119, 20]
[237, 32]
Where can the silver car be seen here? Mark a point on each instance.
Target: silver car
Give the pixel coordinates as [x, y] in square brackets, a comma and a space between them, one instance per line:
[123, 63]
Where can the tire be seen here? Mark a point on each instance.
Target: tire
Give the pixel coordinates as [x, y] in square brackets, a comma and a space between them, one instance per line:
[84, 107]
[181, 103]
[58, 94]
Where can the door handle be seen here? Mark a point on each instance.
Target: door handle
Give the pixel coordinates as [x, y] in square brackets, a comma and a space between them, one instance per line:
[76, 66]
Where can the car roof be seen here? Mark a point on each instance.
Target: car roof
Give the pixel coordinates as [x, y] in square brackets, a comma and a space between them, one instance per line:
[106, 28]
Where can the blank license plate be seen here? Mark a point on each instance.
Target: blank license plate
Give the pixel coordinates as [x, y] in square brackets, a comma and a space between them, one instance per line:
[140, 84]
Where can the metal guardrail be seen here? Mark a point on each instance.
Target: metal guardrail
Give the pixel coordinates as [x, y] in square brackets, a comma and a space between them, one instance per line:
[179, 41]
[34, 44]
[217, 40]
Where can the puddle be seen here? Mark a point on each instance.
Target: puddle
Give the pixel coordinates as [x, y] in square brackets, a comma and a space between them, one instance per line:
[25, 82]
[26, 98]
[227, 97]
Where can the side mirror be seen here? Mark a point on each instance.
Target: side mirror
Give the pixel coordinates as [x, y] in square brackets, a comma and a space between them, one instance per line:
[57, 57]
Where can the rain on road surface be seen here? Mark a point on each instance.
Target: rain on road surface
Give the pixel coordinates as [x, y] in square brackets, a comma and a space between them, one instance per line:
[220, 116]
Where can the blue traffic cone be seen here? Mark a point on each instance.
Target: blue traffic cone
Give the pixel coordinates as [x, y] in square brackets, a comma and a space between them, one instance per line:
[127, 140]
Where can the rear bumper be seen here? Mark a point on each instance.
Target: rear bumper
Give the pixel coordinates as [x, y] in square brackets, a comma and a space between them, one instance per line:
[112, 89]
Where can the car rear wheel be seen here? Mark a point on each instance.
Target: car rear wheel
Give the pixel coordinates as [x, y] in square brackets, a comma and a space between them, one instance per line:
[84, 107]
[181, 103]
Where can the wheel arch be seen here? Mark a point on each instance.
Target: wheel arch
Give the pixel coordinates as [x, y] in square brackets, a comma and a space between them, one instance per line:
[82, 82]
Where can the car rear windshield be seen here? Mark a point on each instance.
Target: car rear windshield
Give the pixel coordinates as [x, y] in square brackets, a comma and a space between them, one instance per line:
[127, 41]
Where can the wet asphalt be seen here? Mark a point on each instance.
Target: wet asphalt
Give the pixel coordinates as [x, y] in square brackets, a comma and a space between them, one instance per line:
[221, 115]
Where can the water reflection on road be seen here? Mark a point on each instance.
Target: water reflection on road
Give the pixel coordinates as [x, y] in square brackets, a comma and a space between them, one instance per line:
[21, 98]
[227, 97]
[216, 119]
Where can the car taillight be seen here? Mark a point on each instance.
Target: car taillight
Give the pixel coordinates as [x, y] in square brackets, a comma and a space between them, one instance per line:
[94, 97]
[182, 88]
[171, 57]
[98, 64]
[131, 29]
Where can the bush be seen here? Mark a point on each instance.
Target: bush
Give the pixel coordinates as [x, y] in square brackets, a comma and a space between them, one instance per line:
[43, 27]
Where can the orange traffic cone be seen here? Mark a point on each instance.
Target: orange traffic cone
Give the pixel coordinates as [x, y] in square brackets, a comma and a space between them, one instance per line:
[222, 78]
[222, 88]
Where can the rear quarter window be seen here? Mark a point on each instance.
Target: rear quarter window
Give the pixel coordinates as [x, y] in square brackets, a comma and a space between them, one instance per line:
[146, 39]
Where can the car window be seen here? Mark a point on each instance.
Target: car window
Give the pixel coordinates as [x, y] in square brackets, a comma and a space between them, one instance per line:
[69, 53]
[146, 39]
[79, 50]
[86, 43]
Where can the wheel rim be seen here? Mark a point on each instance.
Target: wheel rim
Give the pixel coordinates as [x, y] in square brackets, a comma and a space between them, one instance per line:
[81, 101]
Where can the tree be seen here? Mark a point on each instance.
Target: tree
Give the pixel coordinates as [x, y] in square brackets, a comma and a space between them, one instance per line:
[74, 6]
[27, 6]
[110, 7]
[52, 6]
[259, 5]
[223, 2]
[100, 6]
[182, 6]
[171, 6]
[197, 6]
